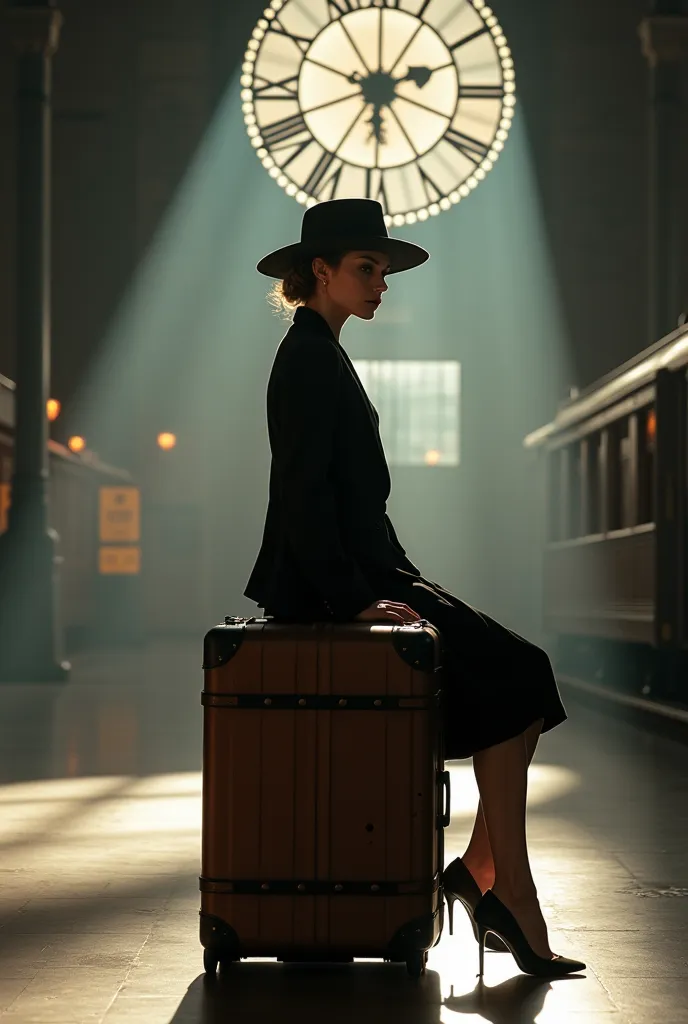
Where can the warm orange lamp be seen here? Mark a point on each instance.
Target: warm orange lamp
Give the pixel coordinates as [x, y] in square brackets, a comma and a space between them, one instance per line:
[76, 444]
[167, 441]
[53, 409]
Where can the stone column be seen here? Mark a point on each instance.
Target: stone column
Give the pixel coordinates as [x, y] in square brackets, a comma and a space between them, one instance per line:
[30, 638]
[664, 36]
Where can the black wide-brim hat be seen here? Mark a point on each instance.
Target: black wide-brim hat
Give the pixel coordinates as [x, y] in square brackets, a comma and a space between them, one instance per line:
[343, 224]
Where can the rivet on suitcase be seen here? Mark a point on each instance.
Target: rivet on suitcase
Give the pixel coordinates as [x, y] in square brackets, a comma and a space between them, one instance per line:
[324, 792]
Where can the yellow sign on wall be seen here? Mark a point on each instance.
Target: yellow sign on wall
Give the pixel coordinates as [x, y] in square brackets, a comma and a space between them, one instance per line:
[120, 514]
[122, 561]
[5, 502]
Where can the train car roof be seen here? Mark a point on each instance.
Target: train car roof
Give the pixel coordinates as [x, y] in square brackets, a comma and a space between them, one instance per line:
[87, 459]
[669, 353]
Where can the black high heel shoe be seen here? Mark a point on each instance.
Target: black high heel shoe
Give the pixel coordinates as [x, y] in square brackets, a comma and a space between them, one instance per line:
[492, 916]
[459, 884]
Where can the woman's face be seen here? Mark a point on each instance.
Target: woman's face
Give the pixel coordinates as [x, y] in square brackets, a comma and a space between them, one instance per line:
[358, 284]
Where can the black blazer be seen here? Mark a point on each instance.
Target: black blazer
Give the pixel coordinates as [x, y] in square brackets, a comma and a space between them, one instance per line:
[327, 535]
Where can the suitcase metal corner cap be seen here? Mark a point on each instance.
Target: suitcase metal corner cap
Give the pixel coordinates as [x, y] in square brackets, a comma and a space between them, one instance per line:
[417, 649]
[221, 644]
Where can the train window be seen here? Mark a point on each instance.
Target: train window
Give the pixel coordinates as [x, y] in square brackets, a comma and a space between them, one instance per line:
[614, 493]
[605, 481]
[628, 457]
[623, 506]
[591, 484]
[646, 441]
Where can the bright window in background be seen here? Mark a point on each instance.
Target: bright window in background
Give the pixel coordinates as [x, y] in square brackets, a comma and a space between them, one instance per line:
[419, 407]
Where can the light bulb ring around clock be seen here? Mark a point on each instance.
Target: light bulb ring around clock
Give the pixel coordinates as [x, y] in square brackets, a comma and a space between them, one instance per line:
[297, 121]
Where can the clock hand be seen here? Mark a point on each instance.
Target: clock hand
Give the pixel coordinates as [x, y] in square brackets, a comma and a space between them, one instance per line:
[377, 129]
[421, 76]
[375, 121]
[372, 86]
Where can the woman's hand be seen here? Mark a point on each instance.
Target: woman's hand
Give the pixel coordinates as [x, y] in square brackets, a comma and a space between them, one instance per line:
[381, 611]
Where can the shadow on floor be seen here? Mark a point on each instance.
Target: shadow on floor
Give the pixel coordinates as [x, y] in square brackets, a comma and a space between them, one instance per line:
[341, 994]
[518, 1000]
[310, 994]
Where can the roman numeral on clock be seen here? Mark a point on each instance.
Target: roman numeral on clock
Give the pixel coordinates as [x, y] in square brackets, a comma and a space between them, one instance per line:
[469, 39]
[278, 28]
[471, 148]
[481, 92]
[318, 182]
[285, 89]
[338, 8]
[282, 131]
[432, 191]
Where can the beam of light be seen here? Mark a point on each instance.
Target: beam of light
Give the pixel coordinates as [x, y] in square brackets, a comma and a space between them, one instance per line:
[96, 823]
[100, 831]
[546, 783]
[489, 298]
[193, 342]
[77, 848]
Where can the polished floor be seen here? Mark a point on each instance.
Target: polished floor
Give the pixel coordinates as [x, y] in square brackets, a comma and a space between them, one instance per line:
[99, 861]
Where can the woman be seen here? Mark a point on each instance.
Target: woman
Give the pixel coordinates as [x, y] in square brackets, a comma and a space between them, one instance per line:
[329, 551]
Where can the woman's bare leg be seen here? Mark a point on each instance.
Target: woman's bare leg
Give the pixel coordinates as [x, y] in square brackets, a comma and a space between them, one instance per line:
[501, 772]
[478, 855]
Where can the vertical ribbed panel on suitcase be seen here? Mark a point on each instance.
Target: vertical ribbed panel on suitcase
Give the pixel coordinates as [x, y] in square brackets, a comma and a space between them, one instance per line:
[298, 801]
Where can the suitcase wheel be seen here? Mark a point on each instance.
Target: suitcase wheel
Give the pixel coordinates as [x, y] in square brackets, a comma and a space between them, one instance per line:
[210, 961]
[415, 963]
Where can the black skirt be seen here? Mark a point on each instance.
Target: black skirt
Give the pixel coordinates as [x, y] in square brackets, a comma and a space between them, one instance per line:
[495, 682]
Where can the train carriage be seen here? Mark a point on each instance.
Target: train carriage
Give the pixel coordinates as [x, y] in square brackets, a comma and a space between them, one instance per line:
[613, 480]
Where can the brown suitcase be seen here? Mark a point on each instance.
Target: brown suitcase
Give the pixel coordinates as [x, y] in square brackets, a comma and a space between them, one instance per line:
[324, 792]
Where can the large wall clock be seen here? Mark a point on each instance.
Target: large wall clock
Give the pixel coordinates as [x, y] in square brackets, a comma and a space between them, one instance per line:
[404, 101]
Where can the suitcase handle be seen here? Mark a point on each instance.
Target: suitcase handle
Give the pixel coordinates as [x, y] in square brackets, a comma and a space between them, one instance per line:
[446, 791]
[237, 620]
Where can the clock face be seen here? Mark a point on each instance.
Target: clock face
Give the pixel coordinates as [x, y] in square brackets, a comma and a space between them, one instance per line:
[405, 101]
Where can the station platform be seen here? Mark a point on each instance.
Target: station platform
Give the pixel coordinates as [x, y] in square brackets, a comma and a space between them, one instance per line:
[99, 859]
